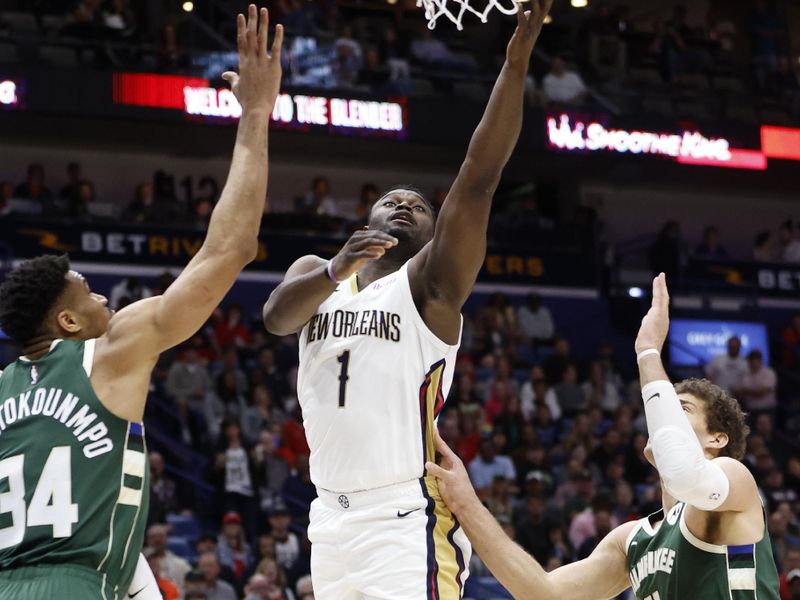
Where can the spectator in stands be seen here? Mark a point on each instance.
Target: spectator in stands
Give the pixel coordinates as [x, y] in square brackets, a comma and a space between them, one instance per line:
[130, 289]
[201, 214]
[216, 588]
[767, 31]
[488, 465]
[762, 247]
[394, 52]
[172, 566]
[726, 370]
[563, 86]
[69, 193]
[235, 476]
[230, 329]
[348, 57]
[84, 21]
[6, 194]
[782, 540]
[790, 245]
[569, 394]
[195, 585]
[162, 487]
[603, 523]
[535, 321]
[299, 491]
[33, 188]
[790, 575]
[166, 586]
[667, 255]
[271, 470]
[119, 20]
[171, 56]
[304, 587]
[287, 544]
[367, 198]
[599, 391]
[232, 548]
[710, 247]
[775, 490]
[533, 527]
[601, 20]
[271, 581]
[535, 392]
[677, 53]
[299, 18]
[318, 200]
[498, 500]
[143, 208]
[188, 377]
[790, 343]
[374, 74]
[757, 388]
[555, 364]
[257, 417]
[434, 54]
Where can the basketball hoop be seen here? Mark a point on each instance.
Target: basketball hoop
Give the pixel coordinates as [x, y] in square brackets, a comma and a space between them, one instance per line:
[456, 9]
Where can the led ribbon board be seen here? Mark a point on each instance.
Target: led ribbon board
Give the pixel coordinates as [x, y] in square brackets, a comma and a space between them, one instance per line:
[10, 93]
[197, 99]
[686, 147]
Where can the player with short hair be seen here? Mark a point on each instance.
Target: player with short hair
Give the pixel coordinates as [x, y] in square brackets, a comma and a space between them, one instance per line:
[709, 541]
[73, 459]
[380, 326]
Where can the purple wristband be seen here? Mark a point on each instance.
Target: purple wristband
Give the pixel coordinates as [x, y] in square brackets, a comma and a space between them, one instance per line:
[329, 270]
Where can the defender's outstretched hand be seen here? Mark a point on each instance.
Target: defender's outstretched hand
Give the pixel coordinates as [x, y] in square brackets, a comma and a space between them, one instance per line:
[529, 26]
[454, 484]
[655, 324]
[257, 84]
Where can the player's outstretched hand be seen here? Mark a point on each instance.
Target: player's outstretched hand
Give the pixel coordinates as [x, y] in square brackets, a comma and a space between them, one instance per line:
[655, 325]
[454, 484]
[529, 26]
[257, 84]
[363, 246]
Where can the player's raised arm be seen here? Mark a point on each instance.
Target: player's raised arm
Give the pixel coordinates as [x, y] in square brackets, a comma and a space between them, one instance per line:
[148, 327]
[450, 265]
[311, 279]
[601, 576]
[687, 473]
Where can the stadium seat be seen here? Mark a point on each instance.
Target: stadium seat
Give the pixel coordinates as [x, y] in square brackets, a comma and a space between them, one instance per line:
[58, 56]
[20, 22]
[184, 526]
[181, 547]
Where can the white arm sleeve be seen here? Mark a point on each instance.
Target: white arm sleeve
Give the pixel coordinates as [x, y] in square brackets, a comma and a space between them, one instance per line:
[687, 474]
[143, 585]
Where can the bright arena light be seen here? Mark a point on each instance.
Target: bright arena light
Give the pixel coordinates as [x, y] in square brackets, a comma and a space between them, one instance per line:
[548, 19]
[188, 6]
[636, 292]
[579, 3]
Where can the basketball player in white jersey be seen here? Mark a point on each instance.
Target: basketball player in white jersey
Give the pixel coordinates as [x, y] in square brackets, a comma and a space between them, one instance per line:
[380, 326]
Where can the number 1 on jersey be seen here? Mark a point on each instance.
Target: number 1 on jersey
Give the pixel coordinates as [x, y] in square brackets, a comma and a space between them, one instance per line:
[344, 360]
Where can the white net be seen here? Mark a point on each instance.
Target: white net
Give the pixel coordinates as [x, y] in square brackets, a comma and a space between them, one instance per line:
[456, 9]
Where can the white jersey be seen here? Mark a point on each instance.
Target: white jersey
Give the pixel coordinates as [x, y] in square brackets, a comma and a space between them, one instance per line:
[371, 382]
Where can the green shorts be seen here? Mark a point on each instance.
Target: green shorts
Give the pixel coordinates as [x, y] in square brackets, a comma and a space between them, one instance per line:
[55, 582]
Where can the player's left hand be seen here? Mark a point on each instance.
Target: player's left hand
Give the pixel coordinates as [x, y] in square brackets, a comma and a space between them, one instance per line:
[529, 26]
[655, 325]
[454, 484]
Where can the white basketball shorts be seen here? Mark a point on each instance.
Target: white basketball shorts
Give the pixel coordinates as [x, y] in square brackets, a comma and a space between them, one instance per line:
[400, 542]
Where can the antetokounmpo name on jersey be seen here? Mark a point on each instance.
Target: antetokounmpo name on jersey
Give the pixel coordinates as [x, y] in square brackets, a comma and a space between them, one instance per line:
[48, 402]
[651, 563]
[346, 323]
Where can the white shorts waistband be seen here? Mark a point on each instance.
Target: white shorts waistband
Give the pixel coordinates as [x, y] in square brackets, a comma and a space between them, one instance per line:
[365, 498]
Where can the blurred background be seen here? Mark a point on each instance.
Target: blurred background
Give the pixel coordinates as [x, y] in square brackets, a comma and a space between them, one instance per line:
[658, 136]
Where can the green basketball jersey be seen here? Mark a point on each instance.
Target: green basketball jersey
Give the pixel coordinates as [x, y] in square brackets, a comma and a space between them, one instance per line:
[73, 477]
[667, 562]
